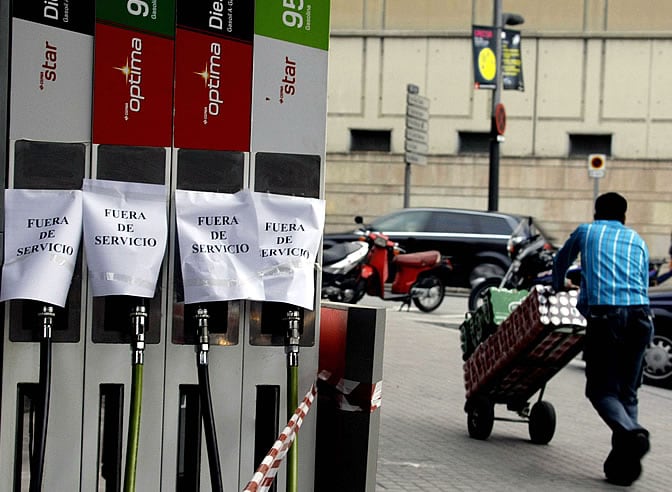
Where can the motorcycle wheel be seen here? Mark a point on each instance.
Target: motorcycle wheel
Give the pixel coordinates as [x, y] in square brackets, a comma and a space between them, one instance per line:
[355, 294]
[478, 293]
[432, 294]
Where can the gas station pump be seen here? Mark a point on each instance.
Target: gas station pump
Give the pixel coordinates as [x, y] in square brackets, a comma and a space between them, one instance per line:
[210, 144]
[132, 135]
[49, 135]
[288, 150]
[96, 104]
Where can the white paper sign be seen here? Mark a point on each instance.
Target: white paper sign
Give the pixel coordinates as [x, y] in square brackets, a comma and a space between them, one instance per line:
[248, 245]
[218, 239]
[290, 229]
[125, 235]
[43, 229]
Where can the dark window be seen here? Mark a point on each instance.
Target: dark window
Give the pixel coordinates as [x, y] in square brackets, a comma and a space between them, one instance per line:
[372, 140]
[411, 221]
[493, 225]
[454, 222]
[583, 144]
[474, 142]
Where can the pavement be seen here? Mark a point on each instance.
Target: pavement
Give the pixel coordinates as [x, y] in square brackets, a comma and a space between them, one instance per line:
[424, 443]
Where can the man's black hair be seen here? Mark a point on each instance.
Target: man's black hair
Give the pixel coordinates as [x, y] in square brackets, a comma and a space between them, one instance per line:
[610, 206]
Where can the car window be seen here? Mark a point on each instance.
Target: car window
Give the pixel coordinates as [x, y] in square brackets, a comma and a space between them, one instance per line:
[493, 225]
[453, 222]
[408, 221]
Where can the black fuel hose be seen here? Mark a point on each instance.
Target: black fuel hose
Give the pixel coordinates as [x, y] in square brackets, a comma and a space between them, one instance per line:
[42, 417]
[209, 427]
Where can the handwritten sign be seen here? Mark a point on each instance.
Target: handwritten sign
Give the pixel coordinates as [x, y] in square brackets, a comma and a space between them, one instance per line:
[125, 235]
[217, 238]
[248, 246]
[43, 230]
[290, 229]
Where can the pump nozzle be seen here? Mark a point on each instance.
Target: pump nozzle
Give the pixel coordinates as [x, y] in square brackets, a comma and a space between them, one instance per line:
[47, 316]
[202, 317]
[293, 338]
[138, 318]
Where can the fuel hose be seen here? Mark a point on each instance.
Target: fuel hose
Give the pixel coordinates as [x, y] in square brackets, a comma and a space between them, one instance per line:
[138, 317]
[205, 395]
[42, 411]
[292, 349]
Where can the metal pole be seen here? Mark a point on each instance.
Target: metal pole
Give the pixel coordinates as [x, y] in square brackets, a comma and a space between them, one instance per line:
[493, 179]
[407, 186]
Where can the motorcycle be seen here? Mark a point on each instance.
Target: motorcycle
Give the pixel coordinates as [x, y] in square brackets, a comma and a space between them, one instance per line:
[531, 264]
[341, 267]
[419, 277]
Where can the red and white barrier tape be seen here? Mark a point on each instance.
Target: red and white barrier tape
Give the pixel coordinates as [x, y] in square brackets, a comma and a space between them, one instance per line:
[265, 474]
[354, 396]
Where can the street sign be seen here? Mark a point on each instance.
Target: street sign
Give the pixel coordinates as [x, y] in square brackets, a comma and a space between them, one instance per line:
[417, 124]
[413, 158]
[416, 144]
[417, 147]
[419, 101]
[416, 136]
[596, 165]
[416, 112]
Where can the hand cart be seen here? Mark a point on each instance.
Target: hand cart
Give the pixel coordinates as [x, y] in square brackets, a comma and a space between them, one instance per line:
[540, 337]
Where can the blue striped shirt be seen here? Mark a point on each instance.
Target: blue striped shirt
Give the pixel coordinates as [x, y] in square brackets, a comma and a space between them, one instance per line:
[614, 264]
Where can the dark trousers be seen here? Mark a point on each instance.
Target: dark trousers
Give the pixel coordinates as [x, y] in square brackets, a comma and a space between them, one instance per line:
[616, 338]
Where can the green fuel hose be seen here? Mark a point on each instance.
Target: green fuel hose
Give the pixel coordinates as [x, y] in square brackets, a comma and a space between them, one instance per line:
[133, 429]
[293, 452]
[42, 418]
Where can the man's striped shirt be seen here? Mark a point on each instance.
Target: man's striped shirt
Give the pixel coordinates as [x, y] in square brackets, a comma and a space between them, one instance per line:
[614, 264]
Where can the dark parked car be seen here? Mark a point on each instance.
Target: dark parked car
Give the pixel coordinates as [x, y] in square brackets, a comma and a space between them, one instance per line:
[474, 240]
[658, 357]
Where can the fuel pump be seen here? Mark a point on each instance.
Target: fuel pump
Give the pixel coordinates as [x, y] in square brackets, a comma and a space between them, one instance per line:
[46, 85]
[130, 165]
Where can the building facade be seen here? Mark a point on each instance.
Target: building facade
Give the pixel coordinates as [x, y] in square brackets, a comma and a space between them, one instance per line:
[597, 79]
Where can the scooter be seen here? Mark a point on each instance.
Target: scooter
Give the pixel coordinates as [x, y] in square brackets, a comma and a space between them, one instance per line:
[341, 271]
[394, 276]
[531, 264]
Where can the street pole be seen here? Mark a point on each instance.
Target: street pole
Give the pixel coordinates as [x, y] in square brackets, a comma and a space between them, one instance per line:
[493, 178]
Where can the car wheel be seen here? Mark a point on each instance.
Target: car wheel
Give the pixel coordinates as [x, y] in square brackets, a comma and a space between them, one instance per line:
[483, 271]
[658, 357]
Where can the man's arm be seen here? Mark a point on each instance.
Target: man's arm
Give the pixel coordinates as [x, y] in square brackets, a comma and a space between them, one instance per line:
[563, 258]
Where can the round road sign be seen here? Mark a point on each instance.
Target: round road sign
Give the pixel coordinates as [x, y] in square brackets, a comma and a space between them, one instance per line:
[500, 119]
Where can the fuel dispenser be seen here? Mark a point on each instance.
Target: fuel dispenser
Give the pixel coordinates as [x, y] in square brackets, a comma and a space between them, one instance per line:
[49, 135]
[132, 135]
[287, 152]
[213, 85]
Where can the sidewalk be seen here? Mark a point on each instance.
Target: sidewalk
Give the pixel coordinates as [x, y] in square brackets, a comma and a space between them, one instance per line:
[424, 444]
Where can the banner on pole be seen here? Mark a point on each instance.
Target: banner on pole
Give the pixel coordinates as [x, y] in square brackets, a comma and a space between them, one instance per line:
[125, 235]
[43, 230]
[248, 245]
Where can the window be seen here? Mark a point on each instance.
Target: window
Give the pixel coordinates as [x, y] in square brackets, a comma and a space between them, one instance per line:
[412, 221]
[493, 225]
[584, 144]
[370, 140]
[474, 142]
[455, 222]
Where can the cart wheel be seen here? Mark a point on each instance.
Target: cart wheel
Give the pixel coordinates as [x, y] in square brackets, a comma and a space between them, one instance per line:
[480, 418]
[542, 422]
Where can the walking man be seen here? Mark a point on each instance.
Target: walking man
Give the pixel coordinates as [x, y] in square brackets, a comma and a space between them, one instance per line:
[614, 299]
